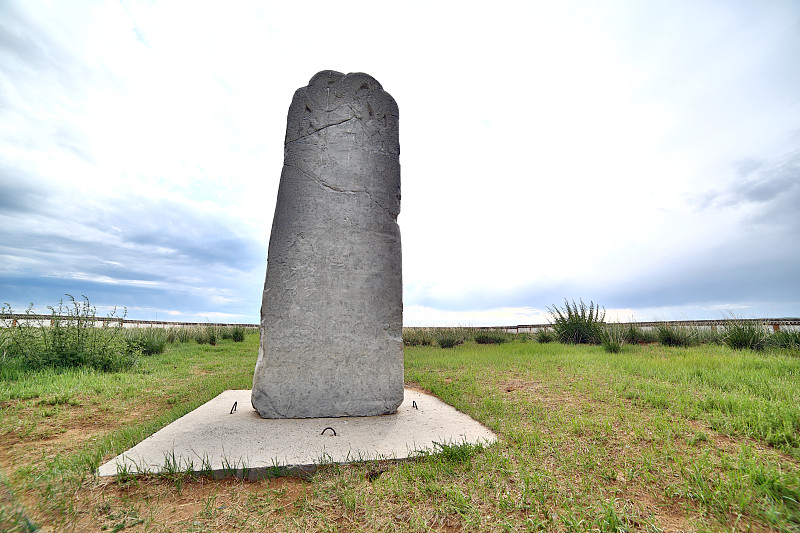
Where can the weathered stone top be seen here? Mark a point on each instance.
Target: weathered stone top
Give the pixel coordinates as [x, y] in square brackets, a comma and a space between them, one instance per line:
[332, 99]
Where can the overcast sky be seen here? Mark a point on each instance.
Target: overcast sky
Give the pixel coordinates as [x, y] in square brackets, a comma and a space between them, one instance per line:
[643, 155]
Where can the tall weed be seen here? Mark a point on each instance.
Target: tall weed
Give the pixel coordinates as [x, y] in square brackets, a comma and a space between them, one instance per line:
[149, 341]
[577, 323]
[450, 337]
[612, 337]
[211, 334]
[234, 333]
[789, 340]
[745, 334]
[635, 334]
[492, 337]
[677, 335]
[417, 337]
[70, 340]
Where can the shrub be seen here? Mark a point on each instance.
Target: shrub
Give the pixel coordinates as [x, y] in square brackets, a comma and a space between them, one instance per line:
[491, 337]
[449, 337]
[69, 340]
[741, 334]
[545, 335]
[577, 323]
[179, 334]
[226, 332]
[237, 333]
[149, 341]
[525, 337]
[676, 335]
[789, 340]
[211, 334]
[633, 334]
[648, 335]
[448, 341]
[612, 337]
[417, 337]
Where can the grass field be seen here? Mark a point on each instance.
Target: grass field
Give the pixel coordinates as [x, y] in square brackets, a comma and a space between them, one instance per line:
[648, 439]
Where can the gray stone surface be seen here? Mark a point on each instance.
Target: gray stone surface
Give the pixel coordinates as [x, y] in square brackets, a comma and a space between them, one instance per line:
[332, 309]
[213, 438]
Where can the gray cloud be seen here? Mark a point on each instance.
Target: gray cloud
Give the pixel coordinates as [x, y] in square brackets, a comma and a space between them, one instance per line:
[17, 194]
[756, 181]
[30, 51]
[753, 268]
[22, 40]
[159, 253]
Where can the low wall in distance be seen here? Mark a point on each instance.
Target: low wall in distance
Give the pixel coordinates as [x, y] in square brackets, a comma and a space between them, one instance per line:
[16, 319]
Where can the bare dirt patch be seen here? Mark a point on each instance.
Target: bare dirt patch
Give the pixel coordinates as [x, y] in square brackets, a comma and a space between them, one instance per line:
[207, 504]
[43, 431]
[200, 372]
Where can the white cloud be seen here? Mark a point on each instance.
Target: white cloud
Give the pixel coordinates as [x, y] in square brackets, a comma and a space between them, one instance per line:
[548, 149]
[417, 315]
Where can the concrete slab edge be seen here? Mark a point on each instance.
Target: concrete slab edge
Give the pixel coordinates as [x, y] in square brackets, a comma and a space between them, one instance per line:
[218, 441]
[239, 469]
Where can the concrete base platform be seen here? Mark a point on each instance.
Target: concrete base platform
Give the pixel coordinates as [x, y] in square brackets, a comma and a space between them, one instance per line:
[214, 441]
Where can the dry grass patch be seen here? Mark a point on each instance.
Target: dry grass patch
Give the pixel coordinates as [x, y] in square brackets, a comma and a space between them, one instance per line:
[193, 504]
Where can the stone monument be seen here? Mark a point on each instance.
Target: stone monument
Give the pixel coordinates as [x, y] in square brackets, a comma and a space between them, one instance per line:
[332, 308]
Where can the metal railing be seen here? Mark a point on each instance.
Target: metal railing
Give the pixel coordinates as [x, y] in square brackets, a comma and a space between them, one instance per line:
[775, 323]
[14, 319]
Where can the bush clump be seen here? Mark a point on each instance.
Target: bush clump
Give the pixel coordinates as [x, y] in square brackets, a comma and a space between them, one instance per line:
[450, 337]
[179, 334]
[612, 337]
[237, 333]
[676, 335]
[789, 340]
[577, 323]
[211, 334]
[448, 340]
[417, 337]
[743, 334]
[635, 334]
[68, 339]
[149, 341]
[492, 337]
[545, 336]
[234, 333]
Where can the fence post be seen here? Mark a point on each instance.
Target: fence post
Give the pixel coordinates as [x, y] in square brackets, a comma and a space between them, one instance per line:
[776, 328]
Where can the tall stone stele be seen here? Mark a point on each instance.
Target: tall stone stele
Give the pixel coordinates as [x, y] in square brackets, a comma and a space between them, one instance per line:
[332, 310]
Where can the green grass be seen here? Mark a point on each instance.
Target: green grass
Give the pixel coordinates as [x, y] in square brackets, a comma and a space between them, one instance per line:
[649, 438]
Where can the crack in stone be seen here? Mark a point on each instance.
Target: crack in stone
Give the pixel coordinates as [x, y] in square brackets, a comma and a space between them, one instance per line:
[320, 129]
[326, 185]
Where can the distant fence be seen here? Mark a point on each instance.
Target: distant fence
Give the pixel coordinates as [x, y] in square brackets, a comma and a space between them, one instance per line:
[15, 319]
[775, 323]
